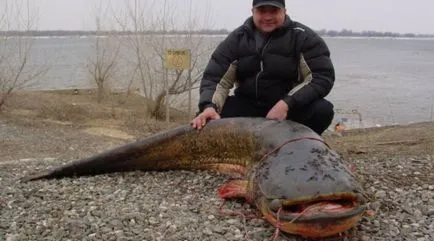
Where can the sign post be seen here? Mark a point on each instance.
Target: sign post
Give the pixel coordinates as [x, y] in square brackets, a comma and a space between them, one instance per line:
[176, 59]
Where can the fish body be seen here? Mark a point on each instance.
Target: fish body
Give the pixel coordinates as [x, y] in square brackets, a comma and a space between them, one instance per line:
[291, 175]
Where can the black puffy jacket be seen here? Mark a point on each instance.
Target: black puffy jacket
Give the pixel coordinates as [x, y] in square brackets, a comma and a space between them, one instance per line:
[293, 65]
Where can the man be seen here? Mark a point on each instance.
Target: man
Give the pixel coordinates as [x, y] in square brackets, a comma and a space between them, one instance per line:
[281, 70]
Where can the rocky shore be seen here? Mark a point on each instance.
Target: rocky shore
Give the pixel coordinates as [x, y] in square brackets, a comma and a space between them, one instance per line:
[394, 165]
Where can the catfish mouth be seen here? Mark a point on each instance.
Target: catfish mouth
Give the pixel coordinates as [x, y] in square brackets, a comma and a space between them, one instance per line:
[315, 217]
[317, 210]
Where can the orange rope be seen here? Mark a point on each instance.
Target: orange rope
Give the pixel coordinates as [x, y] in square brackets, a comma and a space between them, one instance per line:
[277, 230]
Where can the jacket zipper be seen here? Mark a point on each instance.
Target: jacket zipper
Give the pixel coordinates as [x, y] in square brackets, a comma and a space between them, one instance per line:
[262, 68]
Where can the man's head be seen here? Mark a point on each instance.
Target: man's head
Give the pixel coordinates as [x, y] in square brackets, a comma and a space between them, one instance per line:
[268, 15]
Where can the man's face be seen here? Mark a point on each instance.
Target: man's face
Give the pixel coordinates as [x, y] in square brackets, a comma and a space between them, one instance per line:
[268, 18]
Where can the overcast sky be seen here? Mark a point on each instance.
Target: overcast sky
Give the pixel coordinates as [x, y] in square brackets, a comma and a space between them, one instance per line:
[401, 16]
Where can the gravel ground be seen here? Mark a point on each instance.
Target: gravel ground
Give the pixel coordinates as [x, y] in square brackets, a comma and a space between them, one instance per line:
[182, 205]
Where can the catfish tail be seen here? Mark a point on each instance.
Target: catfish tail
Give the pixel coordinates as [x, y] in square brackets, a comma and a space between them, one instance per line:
[229, 141]
[120, 159]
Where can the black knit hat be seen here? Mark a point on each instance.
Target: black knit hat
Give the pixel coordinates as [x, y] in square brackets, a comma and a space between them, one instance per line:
[275, 3]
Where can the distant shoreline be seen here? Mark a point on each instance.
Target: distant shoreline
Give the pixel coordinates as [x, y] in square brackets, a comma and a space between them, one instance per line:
[217, 36]
[205, 32]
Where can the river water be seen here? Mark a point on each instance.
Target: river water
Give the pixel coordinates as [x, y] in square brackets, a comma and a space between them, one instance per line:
[380, 81]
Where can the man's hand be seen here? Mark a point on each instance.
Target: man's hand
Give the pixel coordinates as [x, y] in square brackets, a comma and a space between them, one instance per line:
[208, 114]
[279, 111]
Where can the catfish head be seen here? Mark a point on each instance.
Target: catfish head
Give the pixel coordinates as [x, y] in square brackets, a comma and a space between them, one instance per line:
[312, 195]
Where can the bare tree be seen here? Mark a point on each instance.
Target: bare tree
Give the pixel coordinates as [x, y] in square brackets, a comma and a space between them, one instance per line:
[102, 65]
[15, 50]
[150, 24]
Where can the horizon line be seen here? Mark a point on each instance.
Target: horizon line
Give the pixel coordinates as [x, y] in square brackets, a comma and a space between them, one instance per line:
[343, 32]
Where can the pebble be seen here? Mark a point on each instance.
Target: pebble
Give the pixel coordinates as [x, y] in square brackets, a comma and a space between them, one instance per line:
[207, 231]
[380, 194]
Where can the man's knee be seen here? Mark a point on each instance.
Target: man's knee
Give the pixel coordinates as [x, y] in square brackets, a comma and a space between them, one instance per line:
[318, 116]
[322, 117]
[324, 110]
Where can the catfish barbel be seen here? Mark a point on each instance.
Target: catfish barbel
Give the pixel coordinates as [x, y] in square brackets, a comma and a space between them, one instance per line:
[298, 183]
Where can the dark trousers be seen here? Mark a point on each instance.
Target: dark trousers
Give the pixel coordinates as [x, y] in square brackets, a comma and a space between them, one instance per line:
[318, 115]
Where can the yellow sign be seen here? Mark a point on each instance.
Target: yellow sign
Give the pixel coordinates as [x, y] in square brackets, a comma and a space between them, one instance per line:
[178, 59]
